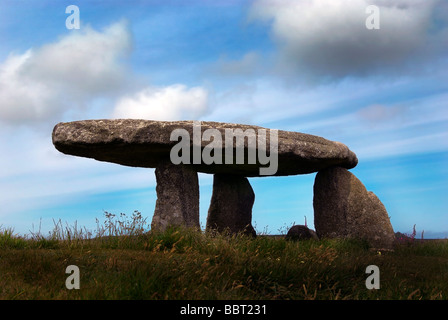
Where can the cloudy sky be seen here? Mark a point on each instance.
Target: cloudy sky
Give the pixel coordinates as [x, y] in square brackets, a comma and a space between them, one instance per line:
[311, 66]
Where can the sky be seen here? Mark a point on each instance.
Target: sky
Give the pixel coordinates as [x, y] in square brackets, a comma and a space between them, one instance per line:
[312, 66]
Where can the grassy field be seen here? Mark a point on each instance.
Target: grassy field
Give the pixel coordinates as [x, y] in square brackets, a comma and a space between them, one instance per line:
[123, 261]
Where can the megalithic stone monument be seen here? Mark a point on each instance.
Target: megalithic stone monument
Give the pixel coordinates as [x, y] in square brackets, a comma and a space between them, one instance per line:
[229, 151]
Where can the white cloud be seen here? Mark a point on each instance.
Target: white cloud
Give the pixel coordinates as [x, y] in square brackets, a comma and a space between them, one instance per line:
[65, 77]
[264, 102]
[87, 62]
[23, 99]
[377, 114]
[329, 38]
[381, 148]
[175, 102]
[45, 82]
[246, 66]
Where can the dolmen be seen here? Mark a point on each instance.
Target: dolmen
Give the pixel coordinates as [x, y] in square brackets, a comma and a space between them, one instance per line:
[178, 150]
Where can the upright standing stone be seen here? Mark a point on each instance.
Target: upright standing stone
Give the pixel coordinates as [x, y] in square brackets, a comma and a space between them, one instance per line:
[343, 208]
[177, 197]
[231, 205]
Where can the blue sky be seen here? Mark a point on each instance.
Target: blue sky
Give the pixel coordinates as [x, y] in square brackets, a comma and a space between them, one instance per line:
[308, 66]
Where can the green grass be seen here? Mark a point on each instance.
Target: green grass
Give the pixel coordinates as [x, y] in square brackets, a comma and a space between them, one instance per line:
[121, 260]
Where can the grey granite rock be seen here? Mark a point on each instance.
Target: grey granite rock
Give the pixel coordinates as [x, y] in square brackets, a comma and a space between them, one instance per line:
[177, 197]
[301, 232]
[145, 143]
[231, 205]
[343, 208]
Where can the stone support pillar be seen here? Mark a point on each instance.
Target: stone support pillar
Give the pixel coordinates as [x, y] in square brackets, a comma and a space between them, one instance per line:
[231, 205]
[177, 197]
[343, 208]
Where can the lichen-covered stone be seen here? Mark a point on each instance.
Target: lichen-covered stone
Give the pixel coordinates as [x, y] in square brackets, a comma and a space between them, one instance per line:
[231, 205]
[177, 197]
[145, 143]
[343, 208]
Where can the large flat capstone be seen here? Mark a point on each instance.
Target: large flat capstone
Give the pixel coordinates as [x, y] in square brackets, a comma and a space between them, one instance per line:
[147, 143]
